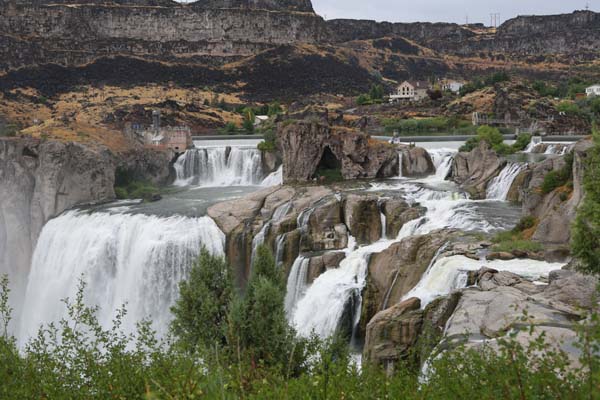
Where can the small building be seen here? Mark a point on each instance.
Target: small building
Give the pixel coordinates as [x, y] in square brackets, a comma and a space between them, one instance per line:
[593, 91]
[452, 86]
[175, 138]
[411, 91]
[260, 119]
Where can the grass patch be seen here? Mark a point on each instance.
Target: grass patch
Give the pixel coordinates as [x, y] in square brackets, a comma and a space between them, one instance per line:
[518, 237]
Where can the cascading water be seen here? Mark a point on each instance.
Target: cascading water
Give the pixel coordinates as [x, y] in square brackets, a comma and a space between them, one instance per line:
[133, 260]
[449, 273]
[274, 179]
[296, 284]
[499, 187]
[400, 175]
[325, 301]
[259, 239]
[220, 166]
[442, 160]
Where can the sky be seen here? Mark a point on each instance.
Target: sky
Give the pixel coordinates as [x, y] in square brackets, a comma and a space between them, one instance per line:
[445, 10]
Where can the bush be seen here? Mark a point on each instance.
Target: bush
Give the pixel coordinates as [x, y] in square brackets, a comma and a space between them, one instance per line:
[556, 179]
[585, 242]
[522, 142]
[525, 223]
[201, 312]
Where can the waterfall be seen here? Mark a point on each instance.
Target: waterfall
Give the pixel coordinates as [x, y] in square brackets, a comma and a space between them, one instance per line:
[442, 160]
[279, 248]
[400, 164]
[219, 166]
[296, 284]
[274, 179]
[449, 273]
[278, 215]
[383, 225]
[136, 260]
[535, 141]
[499, 187]
[323, 305]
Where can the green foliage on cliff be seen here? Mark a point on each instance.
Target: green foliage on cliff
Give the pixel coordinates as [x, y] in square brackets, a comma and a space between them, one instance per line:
[128, 187]
[559, 178]
[480, 83]
[585, 241]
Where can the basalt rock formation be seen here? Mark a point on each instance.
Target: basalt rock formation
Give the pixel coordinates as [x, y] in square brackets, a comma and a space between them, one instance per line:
[474, 170]
[310, 149]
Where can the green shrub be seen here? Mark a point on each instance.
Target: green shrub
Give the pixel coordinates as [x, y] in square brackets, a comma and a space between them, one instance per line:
[522, 142]
[585, 242]
[525, 223]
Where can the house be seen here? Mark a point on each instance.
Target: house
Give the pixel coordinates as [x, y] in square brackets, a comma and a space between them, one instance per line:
[260, 119]
[593, 91]
[411, 91]
[452, 86]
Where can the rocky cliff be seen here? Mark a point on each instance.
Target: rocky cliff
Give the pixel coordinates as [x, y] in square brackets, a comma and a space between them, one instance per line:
[39, 180]
[73, 34]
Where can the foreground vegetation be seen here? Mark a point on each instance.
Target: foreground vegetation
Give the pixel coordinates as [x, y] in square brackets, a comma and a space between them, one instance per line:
[228, 344]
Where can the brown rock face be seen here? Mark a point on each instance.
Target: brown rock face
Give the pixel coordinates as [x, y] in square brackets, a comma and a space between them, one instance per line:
[362, 216]
[475, 169]
[391, 333]
[398, 212]
[396, 270]
[311, 148]
[416, 162]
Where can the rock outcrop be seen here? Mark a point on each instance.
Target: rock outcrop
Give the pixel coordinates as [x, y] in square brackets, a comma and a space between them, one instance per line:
[395, 271]
[500, 302]
[474, 170]
[311, 149]
[416, 162]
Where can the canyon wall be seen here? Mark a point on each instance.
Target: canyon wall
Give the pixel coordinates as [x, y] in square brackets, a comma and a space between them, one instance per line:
[71, 34]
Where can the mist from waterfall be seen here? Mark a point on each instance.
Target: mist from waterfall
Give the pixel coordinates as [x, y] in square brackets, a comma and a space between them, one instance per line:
[132, 260]
[219, 166]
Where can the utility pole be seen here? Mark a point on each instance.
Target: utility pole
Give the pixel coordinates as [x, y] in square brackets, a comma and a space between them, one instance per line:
[494, 19]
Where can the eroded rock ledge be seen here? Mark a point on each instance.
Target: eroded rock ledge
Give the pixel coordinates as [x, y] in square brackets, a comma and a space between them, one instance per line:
[310, 149]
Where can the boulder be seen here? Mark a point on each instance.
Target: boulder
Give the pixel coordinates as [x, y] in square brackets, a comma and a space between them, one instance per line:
[397, 213]
[572, 288]
[473, 170]
[393, 332]
[325, 229]
[363, 218]
[416, 162]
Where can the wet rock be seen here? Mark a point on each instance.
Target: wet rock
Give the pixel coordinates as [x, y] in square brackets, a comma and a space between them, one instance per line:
[393, 332]
[397, 213]
[325, 229]
[362, 217]
[416, 162]
[322, 263]
[473, 170]
[395, 271]
[500, 255]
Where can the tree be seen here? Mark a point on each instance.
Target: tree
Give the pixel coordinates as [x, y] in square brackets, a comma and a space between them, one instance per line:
[585, 242]
[200, 313]
[257, 321]
[362, 100]
[376, 92]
